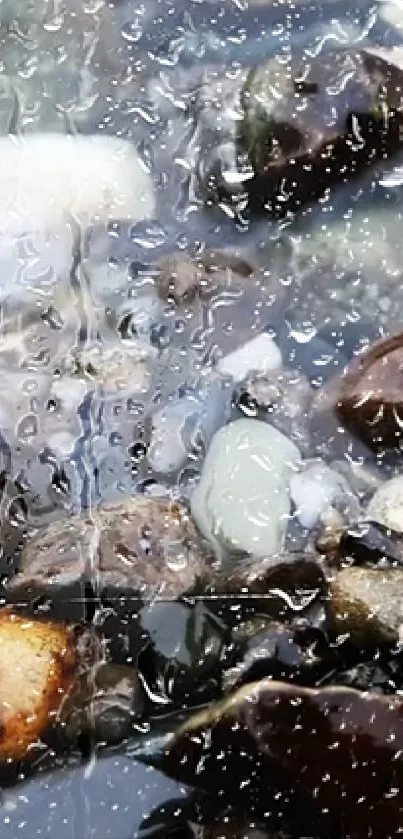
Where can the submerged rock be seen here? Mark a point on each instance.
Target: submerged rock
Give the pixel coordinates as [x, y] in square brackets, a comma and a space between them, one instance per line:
[316, 489]
[367, 398]
[115, 367]
[260, 355]
[370, 542]
[181, 276]
[282, 398]
[242, 502]
[335, 745]
[39, 666]
[233, 828]
[143, 546]
[185, 652]
[280, 586]
[290, 140]
[299, 654]
[56, 685]
[106, 701]
[366, 605]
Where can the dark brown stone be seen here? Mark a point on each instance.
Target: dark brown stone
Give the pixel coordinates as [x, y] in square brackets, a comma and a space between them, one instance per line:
[330, 117]
[368, 397]
[339, 747]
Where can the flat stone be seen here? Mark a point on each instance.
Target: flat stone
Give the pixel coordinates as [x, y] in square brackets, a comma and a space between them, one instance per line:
[142, 546]
[242, 503]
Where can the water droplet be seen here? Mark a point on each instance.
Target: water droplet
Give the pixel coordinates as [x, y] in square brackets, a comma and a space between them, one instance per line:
[175, 557]
[137, 451]
[60, 482]
[247, 404]
[305, 334]
[132, 31]
[27, 427]
[17, 512]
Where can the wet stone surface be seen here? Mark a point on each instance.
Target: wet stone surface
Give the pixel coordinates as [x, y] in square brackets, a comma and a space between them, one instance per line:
[200, 460]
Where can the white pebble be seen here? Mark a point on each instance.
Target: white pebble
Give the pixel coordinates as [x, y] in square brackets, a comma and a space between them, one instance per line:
[260, 355]
[242, 502]
[48, 178]
[314, 490]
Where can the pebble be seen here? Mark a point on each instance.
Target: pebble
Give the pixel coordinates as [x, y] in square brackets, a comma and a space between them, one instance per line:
[179, 276]
[48, 178]
[281, 734]
[386, 505]
[118, 367]
[367, 605]
[369, 542]
[317, 488]
[278, 651]
[143, 545]
[242, 503]
[283, 398]
[260, 355]
[279, 586]
[367, 397]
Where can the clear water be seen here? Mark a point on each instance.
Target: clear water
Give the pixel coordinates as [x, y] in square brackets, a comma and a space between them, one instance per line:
[129, 69]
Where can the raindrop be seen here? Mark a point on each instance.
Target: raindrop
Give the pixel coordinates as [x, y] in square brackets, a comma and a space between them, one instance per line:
[247, 404]
[137, 451]
[27, 427]
[17, 512]
[160, 335]
[132, 31]
[127, 327]
[60, 482]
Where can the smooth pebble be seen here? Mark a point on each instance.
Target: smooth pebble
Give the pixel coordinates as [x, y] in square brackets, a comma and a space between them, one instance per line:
[242, 503]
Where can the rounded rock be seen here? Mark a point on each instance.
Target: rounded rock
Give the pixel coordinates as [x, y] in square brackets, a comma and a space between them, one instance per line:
[242, 503]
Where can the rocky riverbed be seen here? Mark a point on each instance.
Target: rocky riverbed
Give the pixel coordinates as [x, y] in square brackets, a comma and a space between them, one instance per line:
[201, 413]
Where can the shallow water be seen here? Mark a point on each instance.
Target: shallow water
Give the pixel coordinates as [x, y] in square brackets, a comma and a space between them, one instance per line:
[68, 439]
